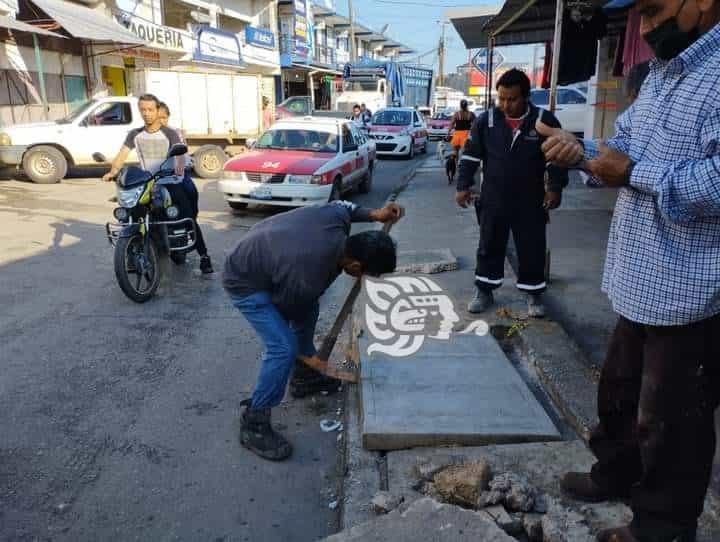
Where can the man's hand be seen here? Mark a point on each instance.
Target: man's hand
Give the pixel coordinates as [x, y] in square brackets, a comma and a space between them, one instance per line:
[391, 213]
[552, 200]
[611, 167]
[109, 176]
[180, 166]
[561, 147]
[463, 198]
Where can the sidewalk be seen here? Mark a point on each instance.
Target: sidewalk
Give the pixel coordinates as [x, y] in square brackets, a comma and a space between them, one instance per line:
[556, 371]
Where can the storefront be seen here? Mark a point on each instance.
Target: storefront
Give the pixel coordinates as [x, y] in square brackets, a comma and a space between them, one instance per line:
[162, 48]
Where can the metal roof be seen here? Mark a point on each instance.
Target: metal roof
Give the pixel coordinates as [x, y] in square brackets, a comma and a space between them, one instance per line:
[85, 23]
[516, 22]
[14, 24]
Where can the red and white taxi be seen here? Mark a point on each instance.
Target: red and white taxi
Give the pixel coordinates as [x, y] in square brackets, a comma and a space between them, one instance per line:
[398, 131]
[300, 161]
[439, 124]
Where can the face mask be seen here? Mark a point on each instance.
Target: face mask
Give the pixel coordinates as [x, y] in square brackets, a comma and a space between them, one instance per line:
[667, 40]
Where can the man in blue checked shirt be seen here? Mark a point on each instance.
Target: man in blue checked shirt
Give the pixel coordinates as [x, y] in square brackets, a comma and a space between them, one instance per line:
[660, 383]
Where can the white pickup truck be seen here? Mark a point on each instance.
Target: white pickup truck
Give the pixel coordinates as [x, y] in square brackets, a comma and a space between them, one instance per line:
[220, 113]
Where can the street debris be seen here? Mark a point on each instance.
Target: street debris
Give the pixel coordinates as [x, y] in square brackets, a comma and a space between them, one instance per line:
[507, 498]
[463, 484]
[333, 505]
[328, 426]
[384, 502]
[561, 524]
[512, 491]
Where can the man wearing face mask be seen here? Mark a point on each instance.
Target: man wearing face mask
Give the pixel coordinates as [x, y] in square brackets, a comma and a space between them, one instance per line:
[660, 383]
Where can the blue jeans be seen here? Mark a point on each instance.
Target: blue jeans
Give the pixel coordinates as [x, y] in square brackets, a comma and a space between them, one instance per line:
[283, 341]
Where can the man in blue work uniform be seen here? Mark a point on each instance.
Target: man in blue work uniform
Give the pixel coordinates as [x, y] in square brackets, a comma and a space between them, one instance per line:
[660, 383]
[513, 196]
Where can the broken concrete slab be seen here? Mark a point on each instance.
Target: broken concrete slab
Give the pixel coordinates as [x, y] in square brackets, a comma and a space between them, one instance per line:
[384, 502]
[512, 525]
[426, 261]
[457, 391]
[426, 520]
[463, 484]
[563, 525]
[542, 464]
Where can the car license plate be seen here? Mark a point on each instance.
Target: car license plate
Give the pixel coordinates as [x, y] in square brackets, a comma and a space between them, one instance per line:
[261, 193]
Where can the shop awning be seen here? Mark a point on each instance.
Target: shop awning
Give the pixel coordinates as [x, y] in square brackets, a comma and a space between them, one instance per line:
[516, 22]
[85, 23]
[14, 24]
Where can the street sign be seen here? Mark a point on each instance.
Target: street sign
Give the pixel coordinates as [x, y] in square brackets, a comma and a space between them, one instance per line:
[480, 60]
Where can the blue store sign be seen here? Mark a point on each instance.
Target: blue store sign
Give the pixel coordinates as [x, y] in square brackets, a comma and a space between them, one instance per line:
[259, 37]
[216, 46]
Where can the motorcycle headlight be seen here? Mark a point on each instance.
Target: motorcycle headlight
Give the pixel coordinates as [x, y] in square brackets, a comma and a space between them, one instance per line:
[172, 212]
[121, 214]
[129, 198]
[5, 140]
[299, 179]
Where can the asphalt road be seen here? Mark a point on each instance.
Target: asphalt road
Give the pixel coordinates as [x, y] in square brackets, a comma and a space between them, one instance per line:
[120, 421]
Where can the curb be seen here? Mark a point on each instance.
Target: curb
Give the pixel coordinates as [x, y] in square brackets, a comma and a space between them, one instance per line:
[360, 469]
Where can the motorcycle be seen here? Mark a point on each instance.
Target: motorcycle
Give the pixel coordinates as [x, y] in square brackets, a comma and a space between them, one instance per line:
[148, 228]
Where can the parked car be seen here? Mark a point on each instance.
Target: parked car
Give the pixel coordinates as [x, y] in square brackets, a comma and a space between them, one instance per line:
[572, 109]
[439, 125]
[398, 131]
[295, 106]
[300, 161]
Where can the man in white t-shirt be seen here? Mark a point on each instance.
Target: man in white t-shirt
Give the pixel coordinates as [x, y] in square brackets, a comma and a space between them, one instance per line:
[152, 143]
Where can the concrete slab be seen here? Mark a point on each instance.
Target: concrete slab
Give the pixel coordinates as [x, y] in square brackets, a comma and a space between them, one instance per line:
[458, 391]
[427, 261]
[542, 464]
[426, 520]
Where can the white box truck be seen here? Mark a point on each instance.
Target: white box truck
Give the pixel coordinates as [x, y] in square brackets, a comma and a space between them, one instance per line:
[217, 113]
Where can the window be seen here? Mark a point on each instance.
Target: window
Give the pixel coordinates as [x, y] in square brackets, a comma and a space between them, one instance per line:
[297, 106]
[570, 97]
[348, 139]
[110, 114]
[298, 140]
[358, 137]
[392, 117]
[540, 97]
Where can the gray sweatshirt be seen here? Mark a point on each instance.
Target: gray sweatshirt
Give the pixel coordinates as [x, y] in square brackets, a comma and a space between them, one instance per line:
[294, 256]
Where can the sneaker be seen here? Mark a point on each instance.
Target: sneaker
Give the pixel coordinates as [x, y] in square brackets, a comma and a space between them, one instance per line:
[206, 265]
[258, 436]
[536, 308]
[481, 302]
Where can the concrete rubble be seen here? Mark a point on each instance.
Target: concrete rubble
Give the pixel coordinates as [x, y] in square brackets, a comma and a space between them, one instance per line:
[463, 484]
[426, 520]
[384, 502]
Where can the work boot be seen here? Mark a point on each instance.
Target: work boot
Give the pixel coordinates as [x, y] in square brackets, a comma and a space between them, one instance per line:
[481, 302]
[206, 265]
[307, 381]
[258, 436]
[630, 534]
[536, 308]
[580, 486]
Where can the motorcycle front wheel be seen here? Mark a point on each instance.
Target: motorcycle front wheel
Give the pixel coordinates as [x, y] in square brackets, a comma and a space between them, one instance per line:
[137, 270]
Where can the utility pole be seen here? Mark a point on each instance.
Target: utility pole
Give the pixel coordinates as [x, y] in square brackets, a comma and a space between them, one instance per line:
[441, 54]
[353, 49]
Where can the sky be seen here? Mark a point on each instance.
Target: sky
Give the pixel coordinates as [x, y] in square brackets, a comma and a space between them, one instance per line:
[416, 23]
